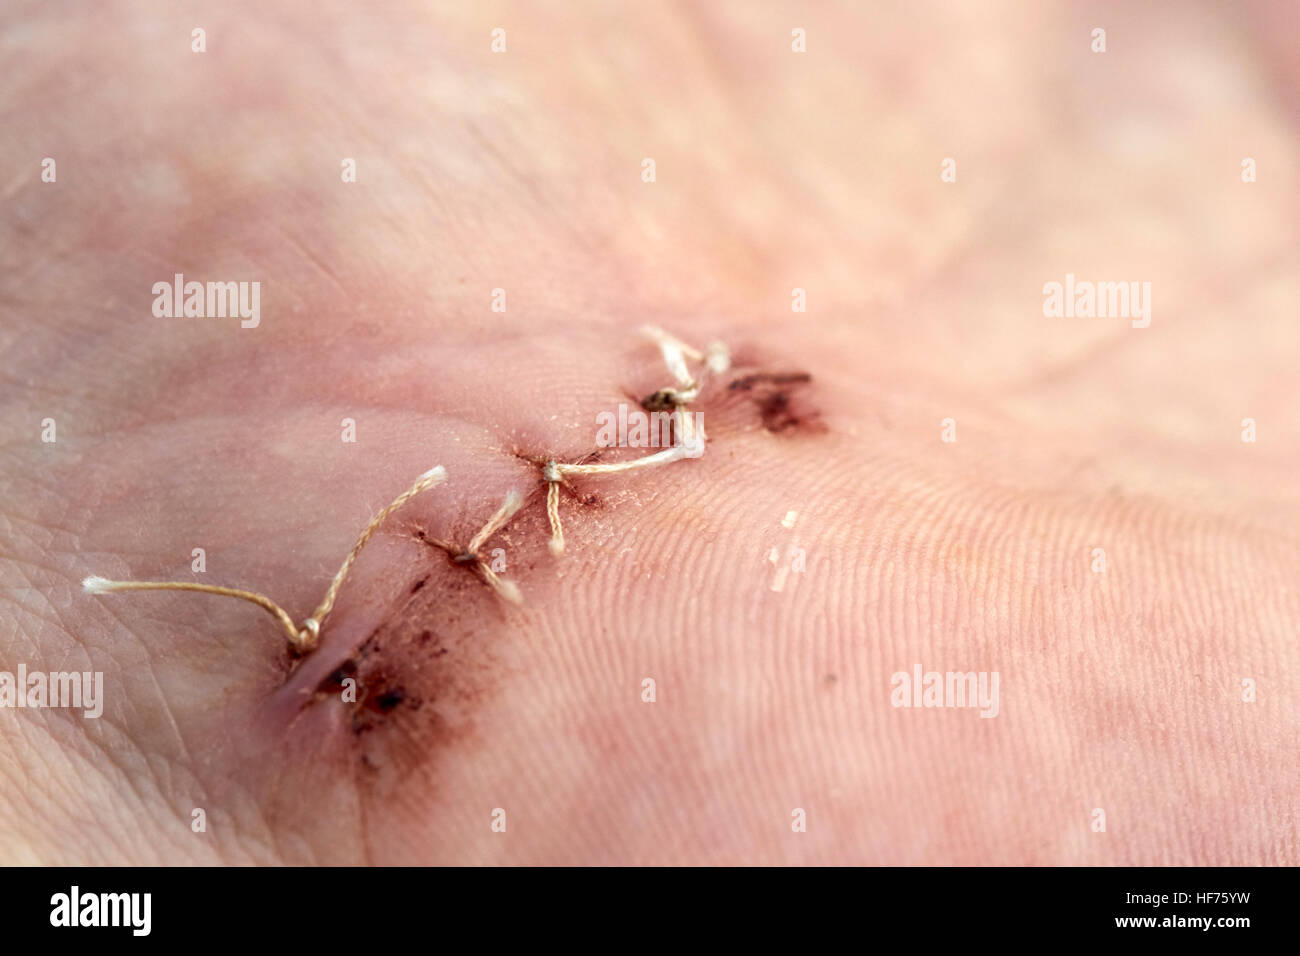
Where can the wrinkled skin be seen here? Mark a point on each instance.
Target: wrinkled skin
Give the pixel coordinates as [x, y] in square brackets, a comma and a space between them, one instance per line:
[1119, 690]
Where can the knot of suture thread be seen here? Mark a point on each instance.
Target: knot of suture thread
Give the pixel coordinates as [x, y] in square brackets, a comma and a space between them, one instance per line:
[308, 637]
[551, 471]
[667, 399]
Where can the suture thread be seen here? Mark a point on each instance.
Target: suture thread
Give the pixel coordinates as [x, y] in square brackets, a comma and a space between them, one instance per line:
[470, 554]
[304, 639]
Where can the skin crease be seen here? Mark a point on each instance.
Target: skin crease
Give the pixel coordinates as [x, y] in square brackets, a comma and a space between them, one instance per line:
[1119, 691]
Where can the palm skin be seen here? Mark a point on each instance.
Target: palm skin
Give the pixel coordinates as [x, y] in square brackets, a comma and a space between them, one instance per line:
[774, 171]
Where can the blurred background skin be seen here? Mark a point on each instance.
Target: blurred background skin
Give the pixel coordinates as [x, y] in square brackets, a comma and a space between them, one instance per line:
[774, 170]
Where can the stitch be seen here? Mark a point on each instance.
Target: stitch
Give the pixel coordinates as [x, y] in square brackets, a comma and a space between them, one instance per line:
[690, 446]
[303, 639]
[470, 554]
[716, 359]
[689, 433]
[554, 480]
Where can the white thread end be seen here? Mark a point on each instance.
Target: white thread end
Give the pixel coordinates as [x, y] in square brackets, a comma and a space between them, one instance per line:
[97, 585]
[664, 338]
[434, 474]
[510, 591]
[717, 357]
[557, 546]
[514, 501]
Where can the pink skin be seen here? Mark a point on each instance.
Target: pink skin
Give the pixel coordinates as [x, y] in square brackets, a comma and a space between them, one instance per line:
[1119, 691]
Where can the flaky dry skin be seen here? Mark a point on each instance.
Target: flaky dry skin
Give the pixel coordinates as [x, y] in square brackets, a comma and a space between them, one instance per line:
[1119, 691]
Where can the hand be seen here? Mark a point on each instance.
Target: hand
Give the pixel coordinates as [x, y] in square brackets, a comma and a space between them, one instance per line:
[1119, 690]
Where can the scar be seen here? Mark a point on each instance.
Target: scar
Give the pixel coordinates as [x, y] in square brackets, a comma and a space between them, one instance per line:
[471, 554]
[774, 394]
[747, 382]
[771, 392]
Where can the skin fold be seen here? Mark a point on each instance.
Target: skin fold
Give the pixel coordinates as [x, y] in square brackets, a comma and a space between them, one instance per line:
[522, 171]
